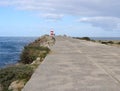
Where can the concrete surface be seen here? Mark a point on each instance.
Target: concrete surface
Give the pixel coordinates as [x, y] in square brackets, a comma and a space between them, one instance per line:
[78, 65]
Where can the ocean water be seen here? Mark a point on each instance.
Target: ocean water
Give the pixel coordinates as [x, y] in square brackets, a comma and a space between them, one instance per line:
[10, 49]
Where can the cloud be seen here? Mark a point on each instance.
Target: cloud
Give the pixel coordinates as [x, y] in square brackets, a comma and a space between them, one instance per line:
[52, 16]
[107, 23]
[102, 13]
[72, 7]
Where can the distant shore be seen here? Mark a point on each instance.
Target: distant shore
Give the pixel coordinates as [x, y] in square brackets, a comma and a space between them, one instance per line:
[111, 41]
[106, 38]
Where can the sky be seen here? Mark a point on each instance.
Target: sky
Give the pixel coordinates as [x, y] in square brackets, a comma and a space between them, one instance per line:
[78, 18]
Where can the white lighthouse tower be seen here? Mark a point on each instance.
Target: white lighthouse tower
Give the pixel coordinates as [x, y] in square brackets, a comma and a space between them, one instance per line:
[52, 32]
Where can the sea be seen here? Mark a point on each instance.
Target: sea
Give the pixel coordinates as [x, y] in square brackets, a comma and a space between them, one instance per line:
[11, 48]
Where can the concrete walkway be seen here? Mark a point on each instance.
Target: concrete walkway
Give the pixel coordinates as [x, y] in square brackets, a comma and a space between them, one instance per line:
[77, 65]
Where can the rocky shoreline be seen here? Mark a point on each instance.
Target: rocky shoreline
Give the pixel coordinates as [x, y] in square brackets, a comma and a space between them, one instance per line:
[14, 77]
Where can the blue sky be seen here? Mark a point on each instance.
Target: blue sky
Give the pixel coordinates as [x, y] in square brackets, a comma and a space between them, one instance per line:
[95, 18]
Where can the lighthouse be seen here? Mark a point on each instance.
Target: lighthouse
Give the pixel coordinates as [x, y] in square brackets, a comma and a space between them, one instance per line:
[52, 33]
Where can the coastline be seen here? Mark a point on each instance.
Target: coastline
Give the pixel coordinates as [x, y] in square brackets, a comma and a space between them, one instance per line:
[106, 38]
[25, 68]
[11, 48]
[31, 56]
[113, 41]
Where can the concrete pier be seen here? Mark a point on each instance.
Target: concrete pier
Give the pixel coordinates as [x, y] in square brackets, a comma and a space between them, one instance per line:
[77, 65]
